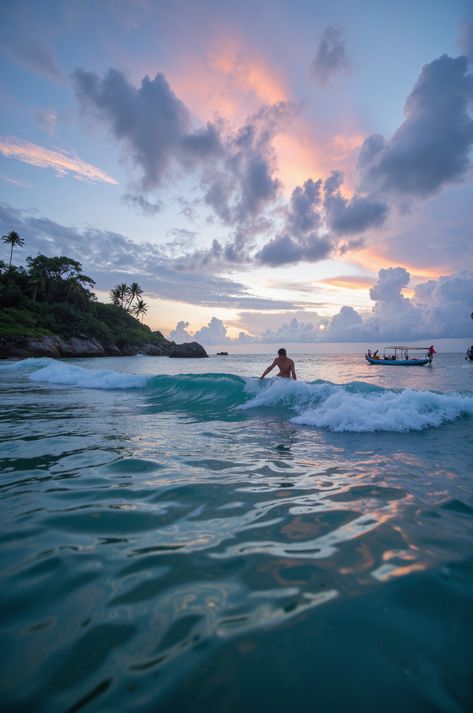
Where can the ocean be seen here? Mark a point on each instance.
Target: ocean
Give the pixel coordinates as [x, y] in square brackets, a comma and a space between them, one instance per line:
[177, 535]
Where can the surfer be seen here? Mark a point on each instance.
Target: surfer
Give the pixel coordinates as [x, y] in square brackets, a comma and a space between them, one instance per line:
[284, 364]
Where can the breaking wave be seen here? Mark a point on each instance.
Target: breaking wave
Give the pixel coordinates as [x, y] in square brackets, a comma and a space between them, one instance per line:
[354, 407]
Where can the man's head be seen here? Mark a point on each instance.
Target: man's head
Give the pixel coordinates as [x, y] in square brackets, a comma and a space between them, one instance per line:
[281, 352]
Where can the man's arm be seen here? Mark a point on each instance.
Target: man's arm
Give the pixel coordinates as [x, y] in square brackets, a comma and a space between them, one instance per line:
[293, 371]
[266, 371]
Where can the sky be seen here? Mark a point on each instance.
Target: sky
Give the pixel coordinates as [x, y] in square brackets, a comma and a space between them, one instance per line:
[267, 171]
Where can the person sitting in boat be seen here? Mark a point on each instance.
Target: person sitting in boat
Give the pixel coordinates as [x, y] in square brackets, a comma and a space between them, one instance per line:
[431, 351]
[375, 354]
[369, 353]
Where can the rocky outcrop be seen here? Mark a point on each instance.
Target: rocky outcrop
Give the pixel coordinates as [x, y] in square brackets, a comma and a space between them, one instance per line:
[84, 346]
[189, 350]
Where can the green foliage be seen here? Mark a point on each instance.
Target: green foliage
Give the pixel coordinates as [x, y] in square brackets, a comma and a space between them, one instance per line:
[20, 322]
[129, 298]
[53, 296]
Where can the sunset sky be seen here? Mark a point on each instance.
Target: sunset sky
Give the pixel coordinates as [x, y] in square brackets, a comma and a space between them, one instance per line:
[267, 171]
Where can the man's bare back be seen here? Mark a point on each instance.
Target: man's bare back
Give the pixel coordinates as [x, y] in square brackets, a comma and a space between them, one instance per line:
[285, 365]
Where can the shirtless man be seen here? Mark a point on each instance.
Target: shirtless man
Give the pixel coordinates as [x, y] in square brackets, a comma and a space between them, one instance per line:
[285, 365]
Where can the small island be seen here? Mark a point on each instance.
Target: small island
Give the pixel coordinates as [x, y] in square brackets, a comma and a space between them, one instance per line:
[48, 309]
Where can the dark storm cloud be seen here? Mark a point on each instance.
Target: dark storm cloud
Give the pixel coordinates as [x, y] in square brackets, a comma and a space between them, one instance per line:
[431, 147]
[331, 57]
[110, 257]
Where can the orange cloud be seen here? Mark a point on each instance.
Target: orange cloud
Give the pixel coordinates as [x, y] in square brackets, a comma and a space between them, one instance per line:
[62, 162]
[350, 282]
[298, 160]
[372, 259]
[232, 79]
[229, 78]
[345, 144]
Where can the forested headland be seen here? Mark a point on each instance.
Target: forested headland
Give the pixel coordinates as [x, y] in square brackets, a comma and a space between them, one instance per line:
[50, 305]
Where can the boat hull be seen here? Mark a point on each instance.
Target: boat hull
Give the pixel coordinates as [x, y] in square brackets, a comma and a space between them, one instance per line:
[398, 362]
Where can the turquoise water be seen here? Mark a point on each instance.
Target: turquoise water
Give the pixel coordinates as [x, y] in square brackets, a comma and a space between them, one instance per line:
[180, 536]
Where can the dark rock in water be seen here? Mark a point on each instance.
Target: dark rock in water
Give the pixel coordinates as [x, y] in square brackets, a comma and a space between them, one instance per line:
[222, 353]
[188, 350]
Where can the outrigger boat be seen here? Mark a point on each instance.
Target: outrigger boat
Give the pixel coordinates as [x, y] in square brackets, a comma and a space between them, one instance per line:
[399, 356]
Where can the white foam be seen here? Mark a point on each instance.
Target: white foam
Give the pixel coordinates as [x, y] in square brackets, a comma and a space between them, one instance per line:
[359, 407]
[386, 411]
[280, 392]
[56, 372]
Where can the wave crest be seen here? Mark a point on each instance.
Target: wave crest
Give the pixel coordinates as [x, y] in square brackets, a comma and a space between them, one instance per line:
[354, 407]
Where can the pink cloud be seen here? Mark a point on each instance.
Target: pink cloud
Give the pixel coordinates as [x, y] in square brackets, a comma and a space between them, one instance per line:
[62, 162]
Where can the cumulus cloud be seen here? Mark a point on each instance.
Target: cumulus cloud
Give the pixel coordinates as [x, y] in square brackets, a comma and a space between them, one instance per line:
[446, 304]
[150, 120]
[236, 167]
[299, 239]
[439, 309]
[294, 331]
[243, 181]
[331, 57]
[430, 149]
[316, 216]
[286, 249]
[351, 216]
[180, 334]
[214, 333]
[345, 325]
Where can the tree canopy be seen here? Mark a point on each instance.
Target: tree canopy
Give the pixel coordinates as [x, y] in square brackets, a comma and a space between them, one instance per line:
[52, 295]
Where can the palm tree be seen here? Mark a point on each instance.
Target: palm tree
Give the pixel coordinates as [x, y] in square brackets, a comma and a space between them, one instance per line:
[134, 292]
[12, 239]
[140, 309]
[119, 295]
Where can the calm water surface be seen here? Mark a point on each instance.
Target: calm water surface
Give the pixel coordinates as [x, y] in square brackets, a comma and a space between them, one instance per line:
[178, 536]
